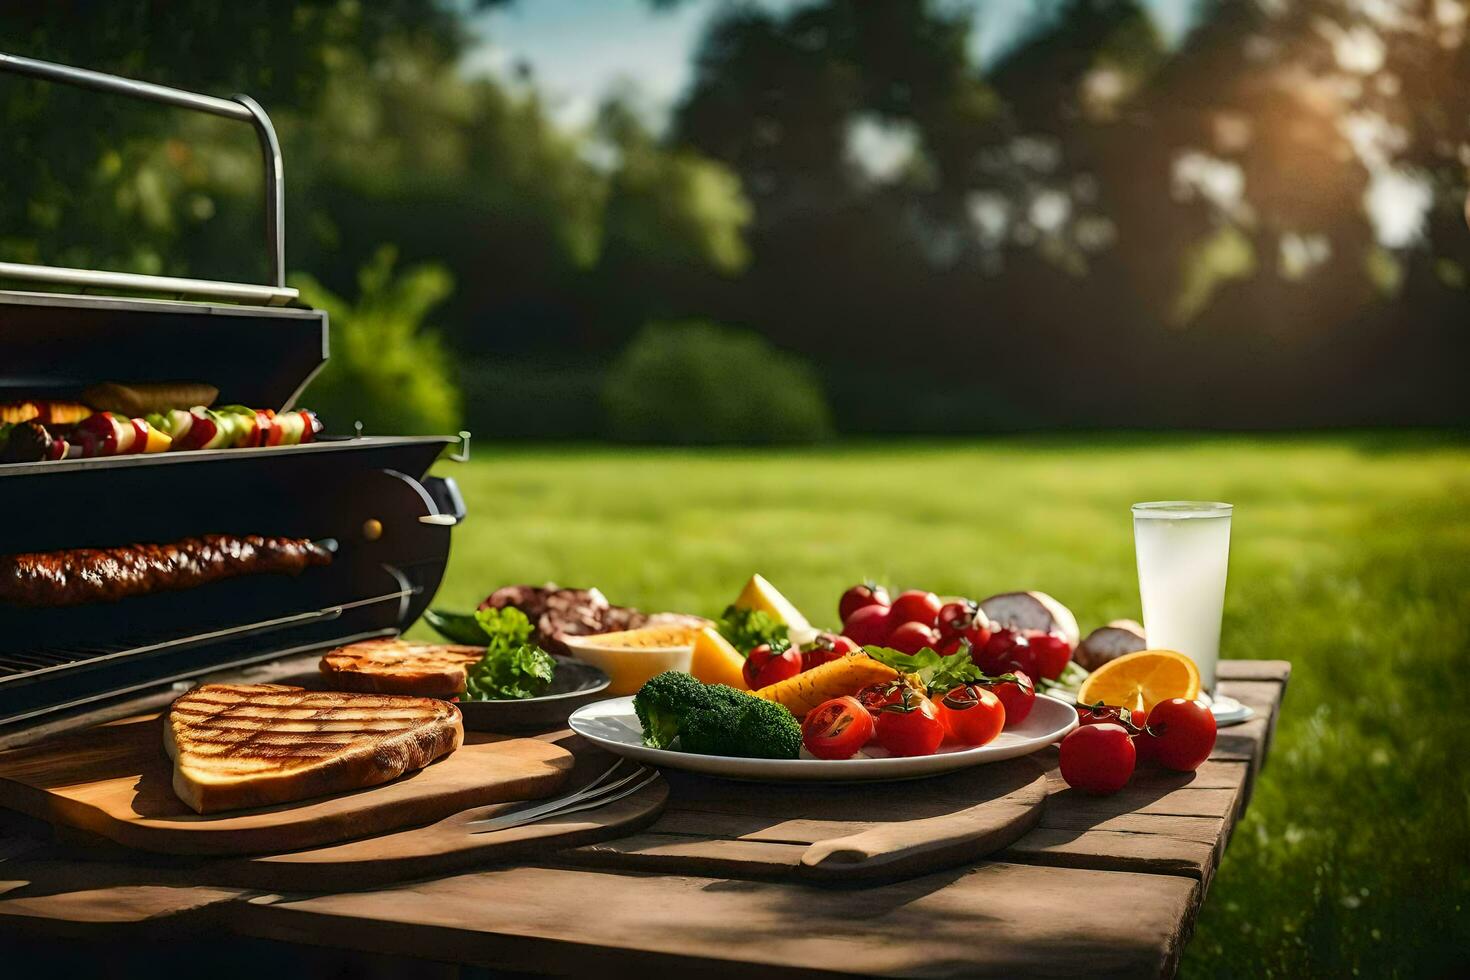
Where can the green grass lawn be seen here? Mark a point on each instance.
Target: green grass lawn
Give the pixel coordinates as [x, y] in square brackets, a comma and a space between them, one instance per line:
[1350, 558]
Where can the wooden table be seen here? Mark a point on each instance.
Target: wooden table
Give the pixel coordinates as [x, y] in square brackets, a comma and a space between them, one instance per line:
[1102, 886]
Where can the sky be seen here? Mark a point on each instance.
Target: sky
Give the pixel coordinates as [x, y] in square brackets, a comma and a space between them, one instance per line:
[578, 48]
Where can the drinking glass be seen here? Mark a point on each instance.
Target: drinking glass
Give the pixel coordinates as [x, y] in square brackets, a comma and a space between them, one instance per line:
[1183, 549]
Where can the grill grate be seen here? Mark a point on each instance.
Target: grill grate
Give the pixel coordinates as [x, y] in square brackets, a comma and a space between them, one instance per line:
[34, 663]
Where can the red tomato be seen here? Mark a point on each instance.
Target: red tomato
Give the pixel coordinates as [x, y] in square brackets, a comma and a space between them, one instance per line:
[1098, 758]
[910, 725]
[954, 645]
[859, 596]
[995, 653]
[971, 714]
[1143, 743]
[916, 606]
[875, 697]
[955, 617]
[825, 648]
[1107, 714]
[912, 637]
[764, 666]
[1018, 698]
[836, 729]
[1052, 653]
[1182, 734]
[868, 626]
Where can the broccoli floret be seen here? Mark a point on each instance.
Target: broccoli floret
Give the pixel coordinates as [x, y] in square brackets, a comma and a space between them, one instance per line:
[768, 731]
[663, 703]
[743, 725]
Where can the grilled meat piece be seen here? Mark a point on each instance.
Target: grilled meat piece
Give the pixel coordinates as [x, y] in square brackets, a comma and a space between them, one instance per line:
[76, 576]
[247, 745]
[558, 613]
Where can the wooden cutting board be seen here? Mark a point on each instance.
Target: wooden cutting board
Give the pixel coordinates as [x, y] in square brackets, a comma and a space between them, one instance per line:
[854, 833]
[115, 780]
[453, 843]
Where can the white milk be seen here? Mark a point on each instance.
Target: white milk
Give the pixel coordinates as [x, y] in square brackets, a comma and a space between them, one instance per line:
[1183, 550]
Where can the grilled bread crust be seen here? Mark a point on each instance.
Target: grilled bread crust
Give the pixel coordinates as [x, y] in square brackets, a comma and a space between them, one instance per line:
[248, 745]
[396, 667]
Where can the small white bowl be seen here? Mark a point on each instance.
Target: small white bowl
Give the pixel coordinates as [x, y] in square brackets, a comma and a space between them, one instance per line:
[629, 667]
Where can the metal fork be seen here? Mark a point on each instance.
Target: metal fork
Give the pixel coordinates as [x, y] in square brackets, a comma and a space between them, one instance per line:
[589, 797]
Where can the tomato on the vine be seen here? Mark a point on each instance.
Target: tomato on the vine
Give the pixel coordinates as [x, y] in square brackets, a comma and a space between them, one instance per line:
[1098, 758]
[971, 714]
[875, 697]
[837, 729]
[916, 606]
[910, 725]
[1181, 734]
[765, 666]
[859, 596]
[1109, 714]
[1018, 696]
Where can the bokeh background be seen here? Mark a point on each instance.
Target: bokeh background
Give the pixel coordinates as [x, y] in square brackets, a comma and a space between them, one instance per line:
[832, 290]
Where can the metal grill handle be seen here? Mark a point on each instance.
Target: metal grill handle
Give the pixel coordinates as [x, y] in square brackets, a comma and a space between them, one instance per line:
[241, 108]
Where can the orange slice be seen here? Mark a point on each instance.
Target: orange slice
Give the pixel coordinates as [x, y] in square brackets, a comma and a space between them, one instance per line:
[715, 661]
[1142, 680]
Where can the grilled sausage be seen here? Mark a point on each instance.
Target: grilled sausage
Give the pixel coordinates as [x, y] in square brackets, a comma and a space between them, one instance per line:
[77, 576]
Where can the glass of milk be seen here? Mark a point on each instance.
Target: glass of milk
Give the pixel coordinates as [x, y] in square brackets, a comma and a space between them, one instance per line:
[1183, 549]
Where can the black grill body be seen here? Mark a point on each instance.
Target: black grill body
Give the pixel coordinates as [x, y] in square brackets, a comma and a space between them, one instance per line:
[370, 496]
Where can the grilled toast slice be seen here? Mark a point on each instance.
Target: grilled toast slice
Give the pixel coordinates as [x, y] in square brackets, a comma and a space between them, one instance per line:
[390, 666]
[250, 745]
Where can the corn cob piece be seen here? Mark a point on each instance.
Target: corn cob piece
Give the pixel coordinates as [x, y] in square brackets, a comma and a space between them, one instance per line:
[834, 679]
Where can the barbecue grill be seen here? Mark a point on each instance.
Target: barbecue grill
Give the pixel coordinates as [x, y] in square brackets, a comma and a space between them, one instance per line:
[366, 496]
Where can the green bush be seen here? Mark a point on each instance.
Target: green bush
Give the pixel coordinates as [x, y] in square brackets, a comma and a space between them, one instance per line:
[386, 369]
[701, 383]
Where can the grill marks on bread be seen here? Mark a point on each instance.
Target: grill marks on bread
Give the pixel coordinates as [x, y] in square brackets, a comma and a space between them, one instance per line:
[238, 745]
[391, 666]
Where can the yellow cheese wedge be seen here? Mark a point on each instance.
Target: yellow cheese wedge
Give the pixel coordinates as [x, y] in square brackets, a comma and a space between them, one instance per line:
[715, 661]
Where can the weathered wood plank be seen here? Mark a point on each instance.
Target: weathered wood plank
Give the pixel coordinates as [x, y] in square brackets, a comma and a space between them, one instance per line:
[997, 919]
[69, 897]
[1253, 670]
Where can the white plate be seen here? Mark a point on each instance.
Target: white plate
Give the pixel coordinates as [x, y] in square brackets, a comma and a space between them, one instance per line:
[613, 725]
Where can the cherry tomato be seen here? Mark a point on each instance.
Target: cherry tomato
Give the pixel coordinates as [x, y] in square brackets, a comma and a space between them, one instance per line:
[912, 637]
[1007, 651]
[1052, 653]
[955, 617]
[825, 648]
[955, 645]
[868, 626]
[1018, 696]
[1143, 743]
[837, 729]
[995, 653]
[764, 666]
[1107, 714]
[916, 606]
[876, 697]
[1098, 758]
[971, 714]
[1182, 734]
[910, 725]
[859, 596]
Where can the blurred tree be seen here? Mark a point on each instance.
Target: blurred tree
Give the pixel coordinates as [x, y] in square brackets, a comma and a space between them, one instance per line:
[386, 368]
